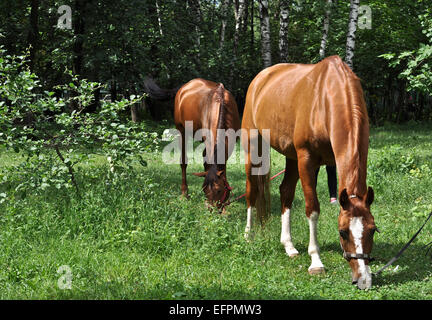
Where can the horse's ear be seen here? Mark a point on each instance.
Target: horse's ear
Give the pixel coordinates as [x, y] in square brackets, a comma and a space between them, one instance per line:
[200, 174]
[344, 200]
[219, 173]
[370, 196]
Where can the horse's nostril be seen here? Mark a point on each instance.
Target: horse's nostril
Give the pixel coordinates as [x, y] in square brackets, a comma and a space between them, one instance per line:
[354, 282]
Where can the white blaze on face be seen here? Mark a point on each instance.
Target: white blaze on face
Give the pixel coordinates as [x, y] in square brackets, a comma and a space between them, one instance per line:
[356, 228]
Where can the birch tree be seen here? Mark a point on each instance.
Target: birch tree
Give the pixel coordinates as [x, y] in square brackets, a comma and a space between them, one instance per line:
[265, 33]
[195, 8]
[224, 13]
[158, 11]
[325, 29]
[239, 18]
[283, 30]
[352, 27]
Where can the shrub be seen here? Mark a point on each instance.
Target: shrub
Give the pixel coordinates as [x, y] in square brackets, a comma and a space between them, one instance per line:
[53, 134]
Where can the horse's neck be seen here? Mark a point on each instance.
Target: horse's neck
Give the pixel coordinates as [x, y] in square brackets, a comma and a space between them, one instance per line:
[217, 127]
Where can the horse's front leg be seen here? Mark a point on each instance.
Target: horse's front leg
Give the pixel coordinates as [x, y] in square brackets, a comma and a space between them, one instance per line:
[307, 166]
[183, 164]
[287, 191]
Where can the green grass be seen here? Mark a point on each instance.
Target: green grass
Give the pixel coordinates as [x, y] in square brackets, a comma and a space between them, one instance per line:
[135, 238]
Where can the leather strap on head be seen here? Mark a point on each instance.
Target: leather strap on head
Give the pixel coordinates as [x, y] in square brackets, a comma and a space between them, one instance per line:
[348, 256]
[226, 191]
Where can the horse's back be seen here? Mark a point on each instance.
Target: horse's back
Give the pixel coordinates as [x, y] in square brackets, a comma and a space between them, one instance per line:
[194, 100]
[292, 101]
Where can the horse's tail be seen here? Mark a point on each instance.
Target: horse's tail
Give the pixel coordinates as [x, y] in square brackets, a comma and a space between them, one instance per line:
[157, 93]
[262, 203]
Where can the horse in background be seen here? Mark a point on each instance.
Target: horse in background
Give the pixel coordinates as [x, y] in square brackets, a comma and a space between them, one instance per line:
[317, 116]
[206, 105]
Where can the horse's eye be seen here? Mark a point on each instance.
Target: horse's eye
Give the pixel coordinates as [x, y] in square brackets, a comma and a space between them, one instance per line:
[343, 234]
[373, 231]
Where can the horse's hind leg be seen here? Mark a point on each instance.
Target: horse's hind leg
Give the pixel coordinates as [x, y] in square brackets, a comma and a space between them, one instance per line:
[251, 194]
[287, 191]
[307, 166]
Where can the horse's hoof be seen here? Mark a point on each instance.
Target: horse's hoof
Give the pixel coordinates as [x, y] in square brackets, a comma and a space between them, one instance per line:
[224, 212]
[291, 252]
[184, 196]
[249, 236]
[319, 270]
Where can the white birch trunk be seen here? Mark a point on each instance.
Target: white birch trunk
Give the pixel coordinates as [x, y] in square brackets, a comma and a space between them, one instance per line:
[159, 18]
[283, 30]
[352, 27]
[265, 34]
[239, 18]
[224, 11]
[325, 29]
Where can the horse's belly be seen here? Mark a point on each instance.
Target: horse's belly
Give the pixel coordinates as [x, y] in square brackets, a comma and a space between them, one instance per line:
[282, 141]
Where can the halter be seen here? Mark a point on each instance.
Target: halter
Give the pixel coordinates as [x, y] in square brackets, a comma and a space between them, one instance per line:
[348, 256]
[227, 189]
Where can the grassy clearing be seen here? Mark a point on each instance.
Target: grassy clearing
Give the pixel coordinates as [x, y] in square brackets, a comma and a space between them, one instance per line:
[134, 237]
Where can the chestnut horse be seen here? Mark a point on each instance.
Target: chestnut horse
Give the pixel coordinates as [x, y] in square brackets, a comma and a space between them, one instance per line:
[317, 116]
[205, 105]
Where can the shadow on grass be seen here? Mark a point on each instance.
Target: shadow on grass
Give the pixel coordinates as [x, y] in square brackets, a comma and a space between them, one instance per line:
[414, 265]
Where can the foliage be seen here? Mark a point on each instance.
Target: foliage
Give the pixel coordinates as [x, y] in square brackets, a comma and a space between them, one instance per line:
[54, 134]
[119, 43]
[417, 62]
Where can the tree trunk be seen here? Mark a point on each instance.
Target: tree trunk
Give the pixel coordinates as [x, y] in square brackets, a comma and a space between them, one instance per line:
[134, 113]
[195, 8]
[245, 16]
[325, 29]
[252, 39]
[239, 18]
[352, 27]
[224, 12]
[159, 18]
[283, 30]
[401, 101]
[79, 37]
[113, 91]
[265, 33]
[33, 34]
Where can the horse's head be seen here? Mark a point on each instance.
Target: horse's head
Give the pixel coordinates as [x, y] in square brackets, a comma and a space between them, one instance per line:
[215, 186]
[356, 230]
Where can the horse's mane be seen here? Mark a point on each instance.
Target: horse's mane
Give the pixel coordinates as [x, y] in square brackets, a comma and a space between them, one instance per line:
[212, 176]
[359, 119]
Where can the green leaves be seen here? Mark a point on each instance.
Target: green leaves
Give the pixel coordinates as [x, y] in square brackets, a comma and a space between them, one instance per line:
[34, 123]
[417, 62]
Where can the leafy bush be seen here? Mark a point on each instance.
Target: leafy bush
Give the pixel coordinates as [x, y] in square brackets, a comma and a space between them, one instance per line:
[395, 159]
[418, 62]
[53, 134]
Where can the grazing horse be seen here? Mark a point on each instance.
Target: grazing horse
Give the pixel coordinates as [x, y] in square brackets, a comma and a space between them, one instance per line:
[206, 105]
[317, 116]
